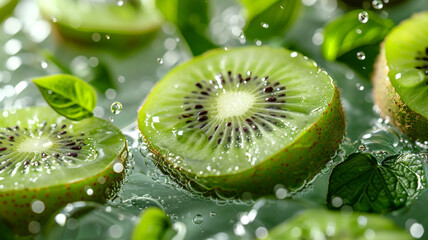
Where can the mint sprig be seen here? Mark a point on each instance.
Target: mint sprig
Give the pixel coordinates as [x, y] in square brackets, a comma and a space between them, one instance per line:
[68, 95]
[369, 186]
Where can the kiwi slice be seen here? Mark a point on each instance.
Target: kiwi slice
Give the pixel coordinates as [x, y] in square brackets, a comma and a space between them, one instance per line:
[108, 23]
[401, 77]
[244, 120]
[322, 224]
[47, 161]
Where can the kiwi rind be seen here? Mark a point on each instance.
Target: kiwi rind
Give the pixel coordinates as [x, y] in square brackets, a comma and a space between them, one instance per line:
[15, 207]
[406, 53]
[391, 105]
[292, 166]
[132, 26]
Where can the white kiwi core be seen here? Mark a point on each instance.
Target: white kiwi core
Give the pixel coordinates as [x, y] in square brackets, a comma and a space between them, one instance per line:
[234, 103]
[37, 145]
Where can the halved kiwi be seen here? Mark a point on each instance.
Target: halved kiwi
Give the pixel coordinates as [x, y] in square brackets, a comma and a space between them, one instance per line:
[47, 161]
[401, 77]
[244, 120]
[112, 24]
[323, 224]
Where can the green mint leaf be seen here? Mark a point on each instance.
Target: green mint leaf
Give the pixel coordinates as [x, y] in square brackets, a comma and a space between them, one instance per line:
[332, 225]
[352, 30]
[6, 8]
[266, 19]
[369, 186]
[98, 76]
[68, 95]
[192, 20]
[153, 225]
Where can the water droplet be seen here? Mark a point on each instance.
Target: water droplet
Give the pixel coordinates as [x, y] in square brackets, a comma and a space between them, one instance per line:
[363, 17]
[34, 227]
[213, 214]
[120, 3]
[361, 55]
[37, 206]
[264, 25]
[377, 4]
[107, 37]
[417, 230]
[118, 167]
[198, 219]
[160, 60]
[116, 107]
[410, 78]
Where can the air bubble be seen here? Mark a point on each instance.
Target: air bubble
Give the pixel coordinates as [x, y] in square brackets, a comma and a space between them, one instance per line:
[38, 206]
[160, 60]
[198, 219]
[417, 230]
[363, 17]
[261, 232]
[118, 167]
[115, 231]
[377, 4]
[361, 55]
[116, 107]
[213, 214]
[61, 219]
[34, 227]
[120, 3]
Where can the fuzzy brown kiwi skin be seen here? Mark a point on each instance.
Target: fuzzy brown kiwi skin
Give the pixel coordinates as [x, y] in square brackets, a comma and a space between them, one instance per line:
[16, 208]
[392, 107]
[292, 167]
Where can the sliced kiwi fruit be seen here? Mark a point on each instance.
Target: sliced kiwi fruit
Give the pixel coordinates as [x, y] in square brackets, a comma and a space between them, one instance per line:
[401, 77]
[243, 120]
[113, 24]
[154, 225]
[323, 224]
[47, 161]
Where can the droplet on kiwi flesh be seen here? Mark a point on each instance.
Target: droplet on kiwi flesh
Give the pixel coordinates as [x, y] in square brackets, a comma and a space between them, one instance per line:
[268, 115]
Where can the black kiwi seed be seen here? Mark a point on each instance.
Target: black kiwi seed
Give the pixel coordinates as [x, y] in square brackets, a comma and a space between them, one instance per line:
[13, 136]
[423, 56]
[205, 92]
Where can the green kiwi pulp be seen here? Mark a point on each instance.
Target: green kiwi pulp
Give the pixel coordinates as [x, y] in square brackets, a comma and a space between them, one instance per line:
[243, 120]
[401, 77]
[323, 224]
[47, 161]
[113, 24]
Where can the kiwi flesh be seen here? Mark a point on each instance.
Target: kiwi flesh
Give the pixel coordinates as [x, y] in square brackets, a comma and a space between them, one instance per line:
[47, 161]
[243, 120]
[104, 24]
[401, 77]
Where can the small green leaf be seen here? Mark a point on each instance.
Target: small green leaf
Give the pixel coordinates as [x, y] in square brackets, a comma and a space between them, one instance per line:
[153, 225]
[266, 19]
[98, 76]
[333, 225]
[348, 32]
[191, 19]
[6, 8]
[369, 186]
[69, 96]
